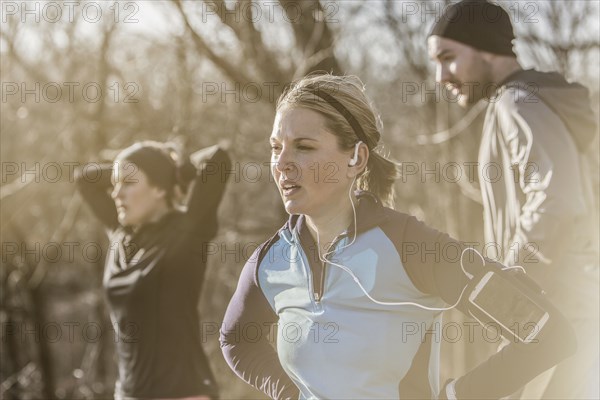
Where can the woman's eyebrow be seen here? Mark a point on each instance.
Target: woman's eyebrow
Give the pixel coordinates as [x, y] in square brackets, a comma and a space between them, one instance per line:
[305, 138]
[443, 53]
[274, 140]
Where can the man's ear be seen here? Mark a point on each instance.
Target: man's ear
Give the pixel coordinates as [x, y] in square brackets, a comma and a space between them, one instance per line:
[488, 57]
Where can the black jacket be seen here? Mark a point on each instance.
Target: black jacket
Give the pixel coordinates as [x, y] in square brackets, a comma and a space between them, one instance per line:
[153, 280]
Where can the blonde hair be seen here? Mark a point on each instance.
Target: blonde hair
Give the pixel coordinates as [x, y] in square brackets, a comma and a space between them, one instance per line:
[314, 92]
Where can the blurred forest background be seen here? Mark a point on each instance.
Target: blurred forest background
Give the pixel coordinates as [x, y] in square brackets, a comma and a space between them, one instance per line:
[198, 73]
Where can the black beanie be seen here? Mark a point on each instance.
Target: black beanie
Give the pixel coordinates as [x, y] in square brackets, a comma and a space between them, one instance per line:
[479, 24]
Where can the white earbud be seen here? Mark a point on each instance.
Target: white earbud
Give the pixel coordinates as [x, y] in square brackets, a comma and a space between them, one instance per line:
[354, 159]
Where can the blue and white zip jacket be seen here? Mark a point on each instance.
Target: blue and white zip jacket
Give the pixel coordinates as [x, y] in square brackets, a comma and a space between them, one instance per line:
[332, 341]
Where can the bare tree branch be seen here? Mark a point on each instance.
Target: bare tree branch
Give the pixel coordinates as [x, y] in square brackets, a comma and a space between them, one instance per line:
[536, 39]
[304, 26]
[309, 63]
[447, 134]
[228, 68]
[220, 8]
[406, 36]
[30, 69]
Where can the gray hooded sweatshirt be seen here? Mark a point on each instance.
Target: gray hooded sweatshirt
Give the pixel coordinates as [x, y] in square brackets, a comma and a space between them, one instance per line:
[538, 193]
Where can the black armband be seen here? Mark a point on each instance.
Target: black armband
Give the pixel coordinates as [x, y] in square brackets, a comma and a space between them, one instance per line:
[508, 301]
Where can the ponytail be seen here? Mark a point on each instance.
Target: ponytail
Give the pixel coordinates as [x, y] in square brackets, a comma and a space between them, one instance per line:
[379, 177]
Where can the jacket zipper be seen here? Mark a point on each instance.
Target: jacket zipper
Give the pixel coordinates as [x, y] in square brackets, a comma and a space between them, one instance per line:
[306, 264]
[318, 294]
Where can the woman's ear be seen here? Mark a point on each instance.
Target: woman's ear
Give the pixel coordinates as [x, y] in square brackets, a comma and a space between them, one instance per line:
[358, 162]
[159, 193]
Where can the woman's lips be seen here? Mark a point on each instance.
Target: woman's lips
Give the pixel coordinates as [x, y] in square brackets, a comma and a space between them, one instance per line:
[454, 88]
[289, 189]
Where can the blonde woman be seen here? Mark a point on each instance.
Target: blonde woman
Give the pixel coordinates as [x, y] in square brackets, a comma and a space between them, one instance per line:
[337, 278]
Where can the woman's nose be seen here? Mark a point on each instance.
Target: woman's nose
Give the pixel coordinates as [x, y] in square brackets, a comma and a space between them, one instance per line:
[282, 162]
[280, 165]
[442, 74]
[289, 168]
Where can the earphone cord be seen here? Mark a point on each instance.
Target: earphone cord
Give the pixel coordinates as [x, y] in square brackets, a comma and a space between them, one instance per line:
[323, 258]
[352, 163]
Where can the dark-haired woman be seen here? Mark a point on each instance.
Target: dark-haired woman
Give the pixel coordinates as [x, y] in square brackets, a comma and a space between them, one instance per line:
[155, 265]
[353, 285]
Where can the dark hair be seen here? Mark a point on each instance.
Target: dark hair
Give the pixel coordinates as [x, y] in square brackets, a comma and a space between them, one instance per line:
[316, 92]
[162, 164]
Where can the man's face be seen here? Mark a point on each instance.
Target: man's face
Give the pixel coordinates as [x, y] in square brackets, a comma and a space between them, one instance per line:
[462, 69]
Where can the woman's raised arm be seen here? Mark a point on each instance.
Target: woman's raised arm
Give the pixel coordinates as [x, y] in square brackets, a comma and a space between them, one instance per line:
[93, 182]
[207, 188]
